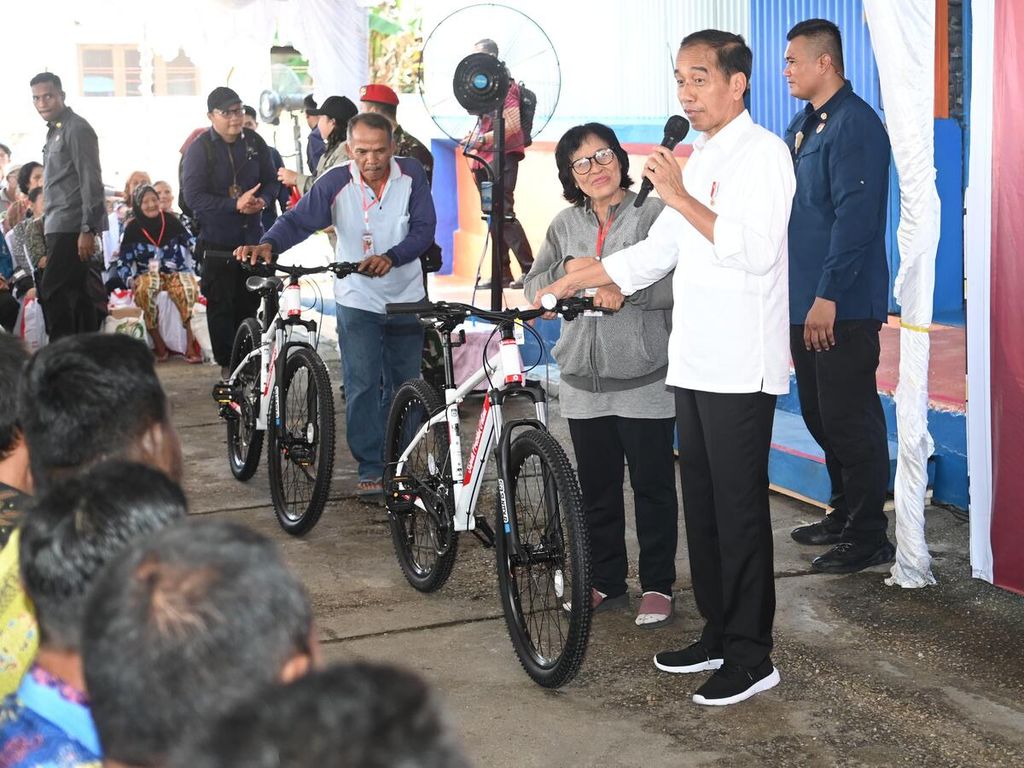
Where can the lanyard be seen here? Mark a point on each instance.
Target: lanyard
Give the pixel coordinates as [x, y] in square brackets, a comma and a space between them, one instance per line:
[602, 232]
[372, 202]
[163, 228]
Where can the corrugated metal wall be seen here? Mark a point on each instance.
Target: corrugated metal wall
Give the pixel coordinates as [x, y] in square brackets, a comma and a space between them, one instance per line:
[770, 102]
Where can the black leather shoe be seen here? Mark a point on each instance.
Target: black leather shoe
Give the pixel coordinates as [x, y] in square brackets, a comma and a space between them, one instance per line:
[824, 532]
[850, 557]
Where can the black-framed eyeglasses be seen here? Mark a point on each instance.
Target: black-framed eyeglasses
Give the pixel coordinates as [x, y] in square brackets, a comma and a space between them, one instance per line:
[236, 112]
[582, 166]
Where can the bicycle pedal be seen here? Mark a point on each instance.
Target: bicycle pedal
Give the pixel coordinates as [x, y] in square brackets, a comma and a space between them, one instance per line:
[224, 393]
[400, 503]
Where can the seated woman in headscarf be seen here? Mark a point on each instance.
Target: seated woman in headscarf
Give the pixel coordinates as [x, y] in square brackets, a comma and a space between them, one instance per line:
[156, 255]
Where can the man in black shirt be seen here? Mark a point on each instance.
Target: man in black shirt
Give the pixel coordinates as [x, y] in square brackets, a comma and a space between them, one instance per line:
[75, 211]
[228, 180]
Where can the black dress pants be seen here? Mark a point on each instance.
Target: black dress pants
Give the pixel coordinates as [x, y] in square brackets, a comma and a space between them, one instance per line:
[67, 308]
[724, 440]
[840, 405]
[9, 308]
[513, 235]
[228, 302]
[601, 444]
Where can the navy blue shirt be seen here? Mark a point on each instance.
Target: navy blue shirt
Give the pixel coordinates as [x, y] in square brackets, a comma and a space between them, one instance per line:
[315, 148]
[206, 187]
[837, 226]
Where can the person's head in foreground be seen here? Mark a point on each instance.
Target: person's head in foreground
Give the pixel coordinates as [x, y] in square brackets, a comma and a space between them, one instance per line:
[184, 626]
[80, 524]
[94, 396]
[13, 450]
[349, 716]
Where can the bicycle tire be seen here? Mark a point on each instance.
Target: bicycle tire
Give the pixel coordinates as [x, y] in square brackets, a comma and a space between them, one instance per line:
[300, 451]
[542, 479]
[245, 442]
[422, 533]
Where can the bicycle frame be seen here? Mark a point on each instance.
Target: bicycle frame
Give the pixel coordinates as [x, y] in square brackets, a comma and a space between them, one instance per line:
[491, 427]
[280, 312]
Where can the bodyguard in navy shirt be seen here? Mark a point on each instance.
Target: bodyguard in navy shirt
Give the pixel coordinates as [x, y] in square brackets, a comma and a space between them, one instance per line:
[838, 293]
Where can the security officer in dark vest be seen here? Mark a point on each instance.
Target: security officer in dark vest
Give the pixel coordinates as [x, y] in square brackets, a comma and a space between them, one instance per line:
[838, 293]
[228, 180]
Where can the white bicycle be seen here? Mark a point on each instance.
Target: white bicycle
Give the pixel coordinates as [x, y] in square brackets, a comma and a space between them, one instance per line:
[539, 532]
[279, 385]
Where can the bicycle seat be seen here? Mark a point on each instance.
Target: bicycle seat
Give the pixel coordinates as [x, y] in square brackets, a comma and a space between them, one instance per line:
[264, 283]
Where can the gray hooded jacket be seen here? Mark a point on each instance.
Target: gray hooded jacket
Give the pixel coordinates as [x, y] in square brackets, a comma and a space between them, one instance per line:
[621, 351]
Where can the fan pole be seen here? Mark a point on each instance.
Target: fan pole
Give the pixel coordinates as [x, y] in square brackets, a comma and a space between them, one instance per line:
[498, 209]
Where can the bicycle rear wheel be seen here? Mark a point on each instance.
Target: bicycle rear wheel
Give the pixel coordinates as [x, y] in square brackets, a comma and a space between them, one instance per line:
[545, 590]
[419, 495]
[300, 451]
[245, 441]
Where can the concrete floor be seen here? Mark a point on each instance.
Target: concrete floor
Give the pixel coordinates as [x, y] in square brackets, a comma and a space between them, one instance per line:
[871, 675]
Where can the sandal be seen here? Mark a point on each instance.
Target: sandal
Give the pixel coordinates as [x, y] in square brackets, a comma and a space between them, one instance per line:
[370, 490]
[655, 610]
[599, 601]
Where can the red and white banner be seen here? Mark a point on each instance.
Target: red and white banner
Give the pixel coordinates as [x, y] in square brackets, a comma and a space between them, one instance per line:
[995, 280]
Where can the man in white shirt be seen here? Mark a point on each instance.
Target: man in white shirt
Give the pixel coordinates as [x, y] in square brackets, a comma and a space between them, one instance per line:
[724, 231]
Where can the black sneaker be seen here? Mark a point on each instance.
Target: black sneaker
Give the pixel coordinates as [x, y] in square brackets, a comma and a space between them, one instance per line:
[695, 658]
[826, 531]
[732, 684]
[850, 557]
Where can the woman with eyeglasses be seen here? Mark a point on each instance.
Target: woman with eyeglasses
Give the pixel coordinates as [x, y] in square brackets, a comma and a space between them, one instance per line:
[613, 368]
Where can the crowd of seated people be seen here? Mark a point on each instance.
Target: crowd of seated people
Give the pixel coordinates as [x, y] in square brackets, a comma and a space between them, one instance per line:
[134, 636]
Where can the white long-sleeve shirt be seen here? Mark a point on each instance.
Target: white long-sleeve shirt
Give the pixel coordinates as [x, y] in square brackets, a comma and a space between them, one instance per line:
[730, 318]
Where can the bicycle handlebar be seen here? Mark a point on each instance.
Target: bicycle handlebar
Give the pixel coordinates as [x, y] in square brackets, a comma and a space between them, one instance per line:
[569, 308]
[339, 268]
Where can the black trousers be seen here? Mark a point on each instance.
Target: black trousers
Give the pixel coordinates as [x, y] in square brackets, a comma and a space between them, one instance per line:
[724, 441]
[601, 444]
[67, 308]
[9, 308]
[513, 235]
[228, 303]
[840, 405]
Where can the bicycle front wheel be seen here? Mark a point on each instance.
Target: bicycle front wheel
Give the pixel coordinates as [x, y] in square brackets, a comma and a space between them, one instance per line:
[300, 448]
[418, 494]
[245, 441]
[545, 587]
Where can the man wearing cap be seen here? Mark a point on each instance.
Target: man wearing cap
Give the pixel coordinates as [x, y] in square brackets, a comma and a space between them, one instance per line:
[384, 216]
[75, 211]
[384, 101]
[315, 145]
[229, 178]
[332, 123]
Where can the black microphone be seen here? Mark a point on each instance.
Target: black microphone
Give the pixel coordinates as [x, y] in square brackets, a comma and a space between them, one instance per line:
[675, 129]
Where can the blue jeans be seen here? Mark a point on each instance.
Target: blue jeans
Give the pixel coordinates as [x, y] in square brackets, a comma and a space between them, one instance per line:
[378, 354]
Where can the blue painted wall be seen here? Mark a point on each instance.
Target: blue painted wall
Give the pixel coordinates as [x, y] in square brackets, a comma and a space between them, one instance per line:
[446, 199]
[770, 102]
[949, 431]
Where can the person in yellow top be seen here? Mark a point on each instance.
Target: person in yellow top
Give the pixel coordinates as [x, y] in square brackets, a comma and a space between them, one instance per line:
[19, 636]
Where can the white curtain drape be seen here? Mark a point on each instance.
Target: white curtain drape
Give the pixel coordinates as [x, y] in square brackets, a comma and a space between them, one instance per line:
[334, 36]
[903, 39]
[978, 247]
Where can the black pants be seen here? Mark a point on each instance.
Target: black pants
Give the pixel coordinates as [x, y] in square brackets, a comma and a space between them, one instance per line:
[724, 441]
[601, 444]
[513, 235]
[842, 411]
[9, 308]
[67, 307]
[228, 303]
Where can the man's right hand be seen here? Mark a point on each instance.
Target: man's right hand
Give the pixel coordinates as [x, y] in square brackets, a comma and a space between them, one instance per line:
[253, 253]
[248, 203]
